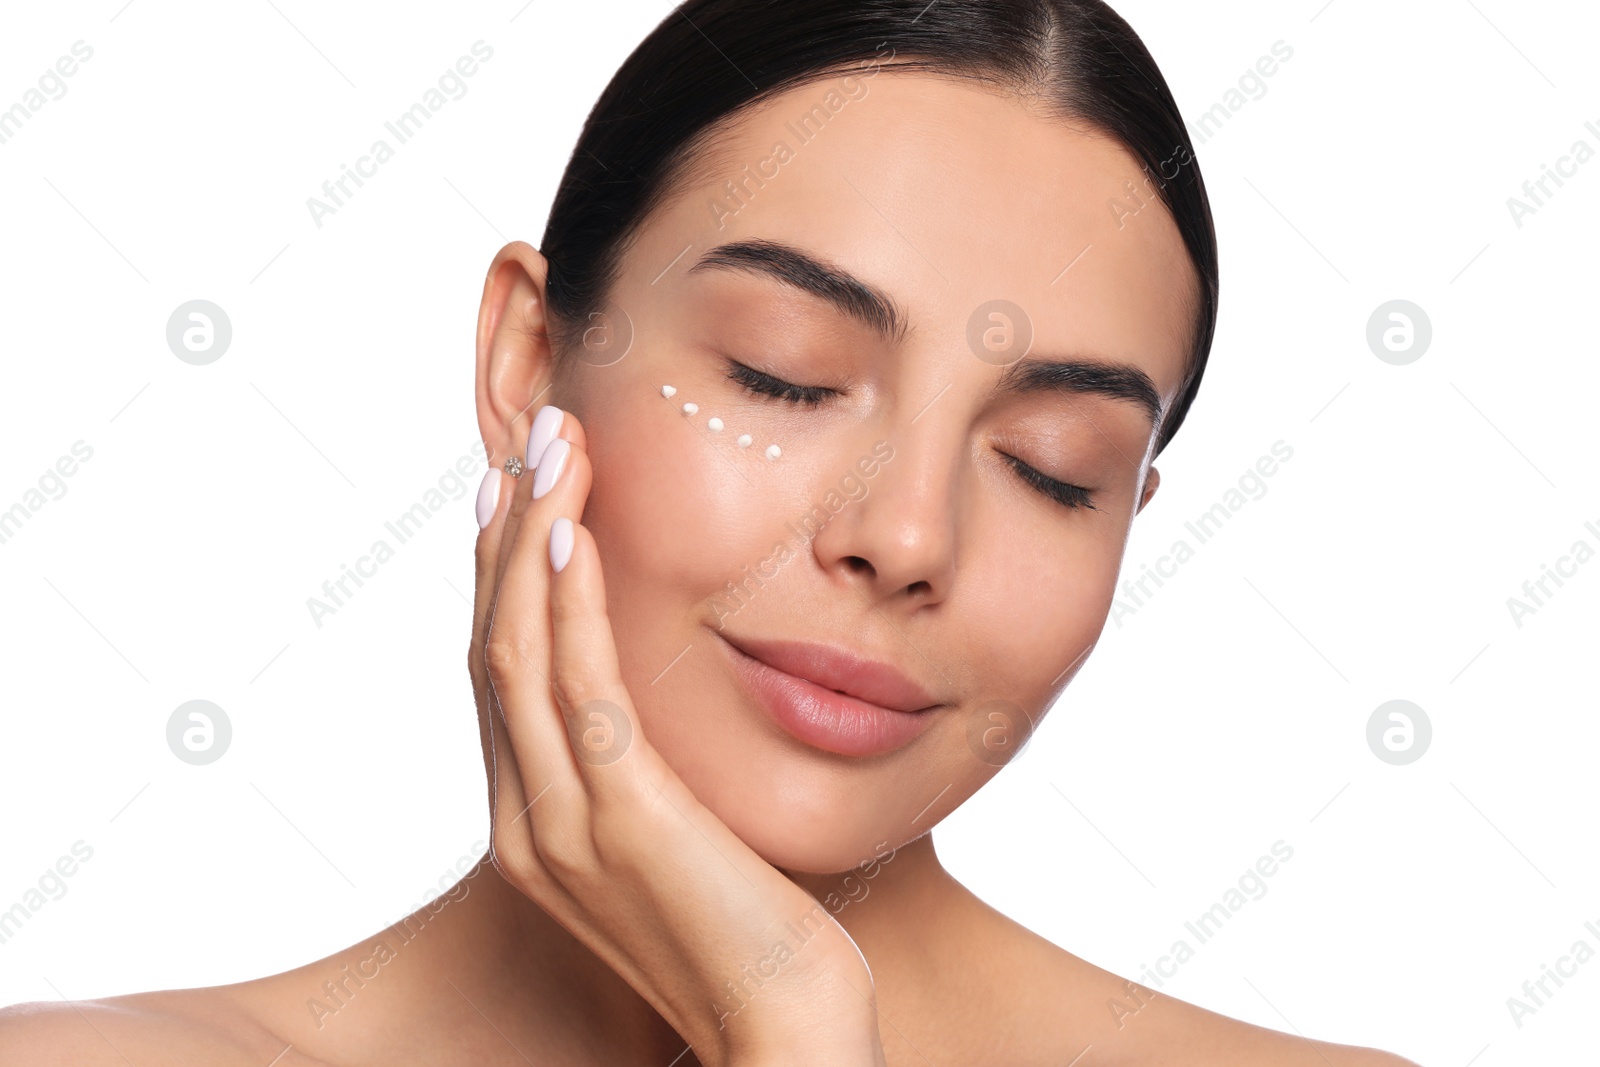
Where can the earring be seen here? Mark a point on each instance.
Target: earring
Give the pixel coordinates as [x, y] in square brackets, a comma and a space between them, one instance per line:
[514, 466]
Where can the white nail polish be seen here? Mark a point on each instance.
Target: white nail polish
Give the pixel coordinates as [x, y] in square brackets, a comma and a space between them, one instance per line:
[773, 451]
[715, 425]
[668, 391]
[744, 440]
[551, 464]
[488, 496]
[690, 409]
[561, 540]
[546, 424]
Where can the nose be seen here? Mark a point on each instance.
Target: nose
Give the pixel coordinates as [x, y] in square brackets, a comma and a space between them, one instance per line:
[897, 541]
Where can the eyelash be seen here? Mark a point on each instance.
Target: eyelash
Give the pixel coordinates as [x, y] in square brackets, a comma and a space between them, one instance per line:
[766, 385]
[1064, 493]
[754, 381]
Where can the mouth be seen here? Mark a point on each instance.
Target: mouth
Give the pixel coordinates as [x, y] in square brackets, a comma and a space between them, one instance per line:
[829, 699]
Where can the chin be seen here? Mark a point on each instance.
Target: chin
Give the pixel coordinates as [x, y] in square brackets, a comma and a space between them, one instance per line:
[799, 809]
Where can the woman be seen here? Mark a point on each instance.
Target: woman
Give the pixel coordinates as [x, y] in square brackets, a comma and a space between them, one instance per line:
[854, 332]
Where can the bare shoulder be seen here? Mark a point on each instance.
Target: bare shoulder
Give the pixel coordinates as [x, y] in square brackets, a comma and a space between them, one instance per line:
[1211, 1039]
[1061, 1006]
[150, 1029]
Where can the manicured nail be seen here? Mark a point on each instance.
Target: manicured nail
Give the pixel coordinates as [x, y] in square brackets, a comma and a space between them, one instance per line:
[551, 464]
[560, 542]
[546, 424]
[488, 496]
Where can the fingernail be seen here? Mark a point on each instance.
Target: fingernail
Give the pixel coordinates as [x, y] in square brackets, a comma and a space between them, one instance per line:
[488, 496]
[546, 424]
[560, 542]
[551, 464]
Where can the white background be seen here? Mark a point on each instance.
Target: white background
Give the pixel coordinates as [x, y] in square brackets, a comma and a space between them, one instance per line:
[1226, 713]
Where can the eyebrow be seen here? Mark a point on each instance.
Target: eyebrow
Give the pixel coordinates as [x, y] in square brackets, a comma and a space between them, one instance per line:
[876, 309]
[1095, 377]
[864, 303]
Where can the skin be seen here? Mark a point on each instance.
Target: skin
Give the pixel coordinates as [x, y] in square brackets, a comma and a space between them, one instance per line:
[950, 565]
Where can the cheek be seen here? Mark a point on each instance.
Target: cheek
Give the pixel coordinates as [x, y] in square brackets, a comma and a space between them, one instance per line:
[1041, 611]
[1044, 593]
[675, 516]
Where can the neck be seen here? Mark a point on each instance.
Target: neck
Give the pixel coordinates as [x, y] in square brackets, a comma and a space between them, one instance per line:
[541, 977]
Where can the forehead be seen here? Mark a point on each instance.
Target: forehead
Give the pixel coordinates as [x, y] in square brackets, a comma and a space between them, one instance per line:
[948, 195]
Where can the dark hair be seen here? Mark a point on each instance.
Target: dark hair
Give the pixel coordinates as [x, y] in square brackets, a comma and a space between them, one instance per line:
[709, 59]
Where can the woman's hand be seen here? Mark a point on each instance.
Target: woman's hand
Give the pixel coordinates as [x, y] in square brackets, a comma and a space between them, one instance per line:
[592, 825]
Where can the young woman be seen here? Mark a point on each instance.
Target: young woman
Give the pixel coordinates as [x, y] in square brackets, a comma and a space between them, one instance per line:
[817, 425]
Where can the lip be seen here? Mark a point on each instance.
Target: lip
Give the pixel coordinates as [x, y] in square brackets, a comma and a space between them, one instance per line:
[830, 699]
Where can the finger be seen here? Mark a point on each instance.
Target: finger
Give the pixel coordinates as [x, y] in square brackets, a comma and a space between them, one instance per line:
[586, 674]
[510, 799]
[517, 650]
[496, 496]
[507, 799]
[535, 436]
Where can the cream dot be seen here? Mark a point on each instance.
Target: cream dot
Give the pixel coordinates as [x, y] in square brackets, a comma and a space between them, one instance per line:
[690, 409]
[714, 425]
[744, 440]
[667, 391]
[773, 451]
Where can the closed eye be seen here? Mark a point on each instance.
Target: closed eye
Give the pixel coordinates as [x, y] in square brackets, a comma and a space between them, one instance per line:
[763, 384]
[1073, 496]
[766, 385]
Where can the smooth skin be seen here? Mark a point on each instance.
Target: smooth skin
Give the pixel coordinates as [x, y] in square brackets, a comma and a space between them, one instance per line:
[621, 902]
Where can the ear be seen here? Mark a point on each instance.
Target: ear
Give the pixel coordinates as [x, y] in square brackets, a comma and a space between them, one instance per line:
[514, 361]
[1152, 480]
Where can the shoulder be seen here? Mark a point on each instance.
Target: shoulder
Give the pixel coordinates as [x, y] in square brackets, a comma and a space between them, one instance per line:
[1061, 1006]
[150, 1029]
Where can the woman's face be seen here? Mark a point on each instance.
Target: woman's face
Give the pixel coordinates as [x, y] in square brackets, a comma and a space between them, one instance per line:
[977, 223]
